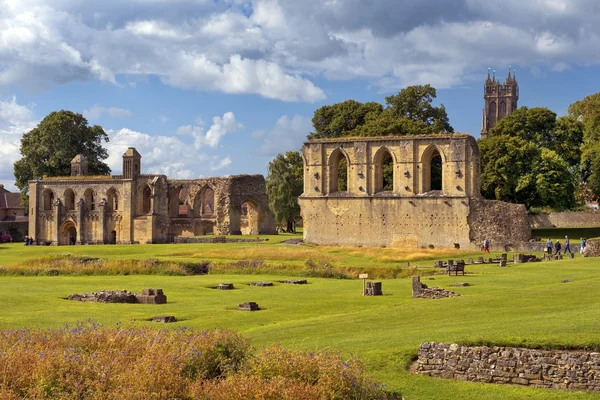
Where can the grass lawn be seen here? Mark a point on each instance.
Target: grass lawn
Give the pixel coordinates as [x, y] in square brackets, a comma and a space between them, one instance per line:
[559, 233]
[524, 305]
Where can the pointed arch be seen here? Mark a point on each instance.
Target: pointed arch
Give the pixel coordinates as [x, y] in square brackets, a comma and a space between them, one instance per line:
[69, 199]
[250, 216]
[112, 199]
[67, 233]
[89, 197]
[47, 199]
[433, 160]
[144, 200]
[502, 110]
[204, 202]
[175, 200]
[339, 164]
[384, 161]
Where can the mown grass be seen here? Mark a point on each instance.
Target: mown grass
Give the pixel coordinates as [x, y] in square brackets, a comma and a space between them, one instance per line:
[521, 305]
[559, 233]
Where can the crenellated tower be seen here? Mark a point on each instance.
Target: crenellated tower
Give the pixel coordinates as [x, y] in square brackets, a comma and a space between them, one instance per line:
[500, 100]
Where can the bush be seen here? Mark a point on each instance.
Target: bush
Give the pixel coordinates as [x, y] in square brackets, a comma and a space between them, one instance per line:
[5, 237]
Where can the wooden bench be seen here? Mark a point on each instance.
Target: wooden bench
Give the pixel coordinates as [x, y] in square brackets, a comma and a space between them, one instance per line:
[456, 268]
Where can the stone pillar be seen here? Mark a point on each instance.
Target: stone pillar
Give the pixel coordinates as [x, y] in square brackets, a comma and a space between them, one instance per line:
[80, 206]
[34, 210]
[56, 212]
[102, 221]
[417, 287]
[152, 210]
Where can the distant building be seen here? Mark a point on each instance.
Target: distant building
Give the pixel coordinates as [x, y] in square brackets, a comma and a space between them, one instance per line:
[10, 206]
[500, 101]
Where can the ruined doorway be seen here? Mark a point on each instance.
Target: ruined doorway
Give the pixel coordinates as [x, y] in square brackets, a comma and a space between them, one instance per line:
[113, 237]
[68, 234]
[249, 218]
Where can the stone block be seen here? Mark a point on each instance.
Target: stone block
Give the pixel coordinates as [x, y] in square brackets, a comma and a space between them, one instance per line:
[249, 306]
[152, 296]
[225, 286]
[373, 289]
[262, 284]
[296, 281]
[164, 318]
[502, 263]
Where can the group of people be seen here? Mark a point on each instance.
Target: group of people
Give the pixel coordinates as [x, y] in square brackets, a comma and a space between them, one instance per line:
[557, 246]
[28, 241]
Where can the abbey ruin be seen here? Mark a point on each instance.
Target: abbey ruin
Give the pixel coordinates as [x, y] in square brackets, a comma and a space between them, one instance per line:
[429, 196]
[139, 208]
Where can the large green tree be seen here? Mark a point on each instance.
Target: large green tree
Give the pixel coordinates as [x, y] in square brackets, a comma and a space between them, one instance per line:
[49, 148]
[531, 157]
[410, 112]
[588, 112]
[284, 185]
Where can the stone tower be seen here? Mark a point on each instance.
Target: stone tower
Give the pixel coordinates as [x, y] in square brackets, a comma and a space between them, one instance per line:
[132, 163]
[79, 165]
[500, 100]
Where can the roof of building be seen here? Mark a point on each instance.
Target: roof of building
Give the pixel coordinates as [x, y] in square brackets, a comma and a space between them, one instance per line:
[390, 137]
[79, 158]
[8, 199]
[131, 151]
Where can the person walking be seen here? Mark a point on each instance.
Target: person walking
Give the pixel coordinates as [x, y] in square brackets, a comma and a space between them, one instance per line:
[567, 245]
[549, 246]
[582, 246]
[557, 246]
[486, 246]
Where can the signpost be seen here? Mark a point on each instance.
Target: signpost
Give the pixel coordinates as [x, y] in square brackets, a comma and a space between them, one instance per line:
[364, 278]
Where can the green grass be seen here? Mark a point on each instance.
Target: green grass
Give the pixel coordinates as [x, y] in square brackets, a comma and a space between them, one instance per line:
[559, 233]
[522, 305]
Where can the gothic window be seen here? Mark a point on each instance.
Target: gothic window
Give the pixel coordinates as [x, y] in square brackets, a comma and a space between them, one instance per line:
[432, 169]
[146, 195]
[208, 202]
[48, 199]
[502, 109]
[112, 199]
[436, 171]
[90, 200]
[384, 171]
[338, 177]
[69, 200]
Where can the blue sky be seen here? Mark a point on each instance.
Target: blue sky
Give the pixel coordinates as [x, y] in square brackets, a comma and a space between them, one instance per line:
[219, 87]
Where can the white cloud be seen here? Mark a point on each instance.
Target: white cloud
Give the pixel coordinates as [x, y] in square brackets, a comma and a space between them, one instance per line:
[15, 120]
[219, 128]
[97, 111]
[223, 163]
[288, 134]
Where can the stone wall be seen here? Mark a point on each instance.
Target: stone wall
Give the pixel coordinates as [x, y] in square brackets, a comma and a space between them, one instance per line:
[565, 219]
[573, 370]
[592, 248]
[503, 224]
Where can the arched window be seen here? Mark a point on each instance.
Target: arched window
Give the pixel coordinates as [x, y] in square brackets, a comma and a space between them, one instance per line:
[112, 199]
[208, 202]
[338, 179]
[492, 115]
[502, 109]
[90, 200]
[249, 220]
[435, 171]
[384, 171]
[48, 199]
[146, 195]
[69, 200]
[177, 200]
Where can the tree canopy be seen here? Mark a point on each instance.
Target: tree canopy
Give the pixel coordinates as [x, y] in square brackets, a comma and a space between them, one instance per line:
[532, 157]
[284, 185]
[410, 112]
[49, 148]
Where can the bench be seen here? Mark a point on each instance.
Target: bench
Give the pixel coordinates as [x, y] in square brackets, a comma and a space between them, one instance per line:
[456, 268]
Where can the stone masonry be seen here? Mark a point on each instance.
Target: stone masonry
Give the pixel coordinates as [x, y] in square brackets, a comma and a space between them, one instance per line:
[572, 370]
[419, 211]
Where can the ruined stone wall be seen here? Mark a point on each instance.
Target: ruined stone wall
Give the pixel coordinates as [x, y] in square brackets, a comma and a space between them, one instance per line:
[503, 224]
[572, 370]
[565, 219]
[381, 221]
[592, 248]
[252, 189]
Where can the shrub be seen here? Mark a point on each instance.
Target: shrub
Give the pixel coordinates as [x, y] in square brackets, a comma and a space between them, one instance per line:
[5, 237]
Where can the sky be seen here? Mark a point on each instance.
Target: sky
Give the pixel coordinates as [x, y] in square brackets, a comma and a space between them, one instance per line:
[220, 87]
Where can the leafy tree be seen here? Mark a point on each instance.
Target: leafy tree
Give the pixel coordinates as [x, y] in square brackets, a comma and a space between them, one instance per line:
[284, 185]
[410, 112]
[49, 148]
[554, 182]
[590, 170]
[588, 112]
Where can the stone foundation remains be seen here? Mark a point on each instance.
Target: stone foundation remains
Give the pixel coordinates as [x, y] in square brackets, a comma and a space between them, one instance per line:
[106, 296]
[421, 291]
[164, 318]
[373, 289]
[555, 369]
[225, 286]
[152, 296]
[262, 284]
[249, 306]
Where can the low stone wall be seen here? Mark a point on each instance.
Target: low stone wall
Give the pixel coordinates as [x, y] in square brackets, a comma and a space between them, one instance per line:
[592, 248]
[565, 219]
[572, 370]
[215, 239]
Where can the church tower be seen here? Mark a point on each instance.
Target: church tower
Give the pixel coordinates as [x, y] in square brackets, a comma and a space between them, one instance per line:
[500, 100]
[132, 163]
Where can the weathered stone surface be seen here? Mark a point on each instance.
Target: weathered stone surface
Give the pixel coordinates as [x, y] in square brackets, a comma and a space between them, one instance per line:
[164, 318]
[106, 296]
[592, 248]
[261, 283]
[565, 219]
[571, 370]
[373, 289]
[421, 291]
[249, 306]
[152, 296]
[296, 281]
[461, 284]
[225, 286]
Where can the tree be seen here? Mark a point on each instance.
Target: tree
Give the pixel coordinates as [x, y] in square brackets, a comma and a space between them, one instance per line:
[410, 112]
[588, 112]
[284, 185]
[49, 148]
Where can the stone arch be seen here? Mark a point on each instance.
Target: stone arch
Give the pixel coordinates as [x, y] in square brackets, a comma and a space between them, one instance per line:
[68, 233]
[204, 202]
[502, 109]
[339, 165]
[112, 199]
[47, 199]
[89, 198]
[174, 200]
[144, 200]
[384, 163]
[492, 116]
[433, 161]
[69, 199]
[250, 216]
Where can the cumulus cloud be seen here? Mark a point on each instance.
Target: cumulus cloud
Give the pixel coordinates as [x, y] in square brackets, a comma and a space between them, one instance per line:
[288, 134]
[97, 111]
[15, 120]
[223, 163]
[219, 128]
[279, 48]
